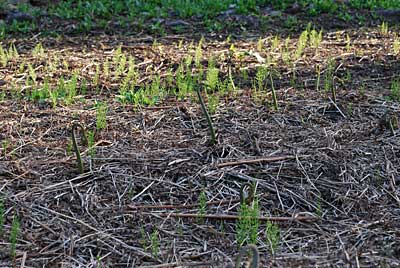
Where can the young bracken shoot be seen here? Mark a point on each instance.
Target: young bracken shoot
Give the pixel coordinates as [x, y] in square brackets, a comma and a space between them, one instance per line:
[255, 256]
[74, 128]
[213, 139]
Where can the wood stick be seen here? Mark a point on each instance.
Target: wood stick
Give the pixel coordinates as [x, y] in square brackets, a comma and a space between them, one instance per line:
[235, 217]
[257, 160]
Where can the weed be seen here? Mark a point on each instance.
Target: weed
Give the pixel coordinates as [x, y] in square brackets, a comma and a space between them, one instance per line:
[329, 78]
[5, 144]
[71, 89]
[213, 101]
[90, 140]
[248, 223]
[396, 45]
[3, 56]
[318, 69]
[275, 43]
[155, 243]
[96, 77]
[301, 44]
[395, 90]
[273, 236]
[318, 211]
[260, 45]
[348, 43]
[315, 39]
[101, 115]
[384, 28]
[15, 228]
[212, 80]
[2, 216]
[38, 50]
[32, 73]
[202, 205]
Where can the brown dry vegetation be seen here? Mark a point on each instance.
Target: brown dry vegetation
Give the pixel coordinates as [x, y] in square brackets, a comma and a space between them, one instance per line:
[334, 190]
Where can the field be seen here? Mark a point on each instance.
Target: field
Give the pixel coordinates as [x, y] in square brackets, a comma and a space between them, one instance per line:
[200, 129]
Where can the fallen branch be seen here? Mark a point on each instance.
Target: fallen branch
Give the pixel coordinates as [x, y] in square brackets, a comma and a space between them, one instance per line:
[255, 161]
[235, 217]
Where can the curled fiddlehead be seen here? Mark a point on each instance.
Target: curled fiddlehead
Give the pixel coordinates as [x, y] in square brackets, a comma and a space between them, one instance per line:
[255, 256]
[247, 193]
[74, 129]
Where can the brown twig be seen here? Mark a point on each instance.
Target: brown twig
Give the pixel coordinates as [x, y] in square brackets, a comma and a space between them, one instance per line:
[235, 217]
[255, 161]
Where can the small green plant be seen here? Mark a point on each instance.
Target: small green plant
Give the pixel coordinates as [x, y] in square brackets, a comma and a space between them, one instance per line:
[38, 50]
[384, 28]
[155, 243]
[213, 101]
[101, 115]
[348, 43]
[396, 45]
[318, 69]
[248, 223]
[5, 144]
[301, 44]
[71, 88]
[395, 90]
[202, 205]
[212, 80]
[2, 216]
[15, 228]
[91, 139]
[315, 39]
[3, 56]
[273, 236]
[319, 206]
[329, 78]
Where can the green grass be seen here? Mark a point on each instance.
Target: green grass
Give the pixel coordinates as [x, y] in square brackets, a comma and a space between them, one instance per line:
[95, 14]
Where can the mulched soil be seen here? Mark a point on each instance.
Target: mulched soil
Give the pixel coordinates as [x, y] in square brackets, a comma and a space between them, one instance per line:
[326, 172]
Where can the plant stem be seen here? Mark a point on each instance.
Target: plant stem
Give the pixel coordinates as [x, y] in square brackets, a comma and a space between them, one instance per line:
[213, 139]
[74, 128]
